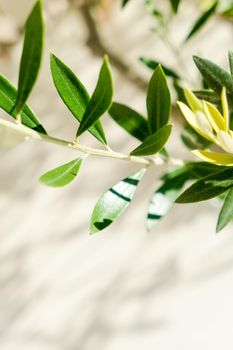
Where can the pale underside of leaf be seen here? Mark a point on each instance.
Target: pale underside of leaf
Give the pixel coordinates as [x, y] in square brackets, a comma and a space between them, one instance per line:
[114, 202]
[215, 158]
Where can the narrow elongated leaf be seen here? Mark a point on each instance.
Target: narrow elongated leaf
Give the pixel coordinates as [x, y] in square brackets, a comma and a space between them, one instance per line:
[73, 94]
[114, 202]
[8, 94]
[208, 95]
[192, 139]
[101, 99]
[164, 197]
[226, 213]
[202, 20]
[215, 77]
[153, 143]
[158, 101]
[31, 56]
[62, 175]
[208, 187]
[175, 5]
[124, 3]
[152, 64]
[154, 11]
[231, 62]
[133, 122]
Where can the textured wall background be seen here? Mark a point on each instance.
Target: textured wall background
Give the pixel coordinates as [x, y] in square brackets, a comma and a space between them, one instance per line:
[61, 289]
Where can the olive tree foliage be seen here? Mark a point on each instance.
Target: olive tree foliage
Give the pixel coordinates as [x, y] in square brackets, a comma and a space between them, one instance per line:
[206, 114]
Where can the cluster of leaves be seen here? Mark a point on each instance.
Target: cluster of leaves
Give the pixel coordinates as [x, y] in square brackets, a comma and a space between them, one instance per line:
[173, 3]
[220, 182]
[163, 23]
[152, 131]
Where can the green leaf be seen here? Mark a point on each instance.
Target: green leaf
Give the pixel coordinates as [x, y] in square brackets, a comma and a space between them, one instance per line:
[8, 95]
[101, 99]
[228, 11]
[231, 62]
[124, 3]
[133, 122]
[152, 64]
[175, 5]
[31, 56]
[158, 101]
[208, 187]
[226, 213]
[202, 20]
[164, 197]
[215, 77]
[73, 94]
[62, 175]
[154, 11]
[153, 143]
[114, 202]
[208, 95]
[192, 139]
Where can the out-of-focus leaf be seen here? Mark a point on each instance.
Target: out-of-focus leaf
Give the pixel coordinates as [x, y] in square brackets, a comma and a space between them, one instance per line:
[73, 94]
[173, 182]
[62, 175]
[114, 202]
[158, 101]
[226, 213]
[202, 20]
[215, 77]
[154, 11]
[179, 90]
[208, 95]
[164, 197]
[152, 64]
[124, 3]
[192, 139]
[154, 143]
[31, 56]
[175, 5]
[101, 99]
[133, 122]
[8, 94]
[231, 61]
[208, 187]
[228, 11]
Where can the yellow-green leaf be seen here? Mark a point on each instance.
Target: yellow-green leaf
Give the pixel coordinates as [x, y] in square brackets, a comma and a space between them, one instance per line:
[62, 175]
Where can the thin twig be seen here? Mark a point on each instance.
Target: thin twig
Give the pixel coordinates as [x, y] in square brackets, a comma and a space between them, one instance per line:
[32, 134]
